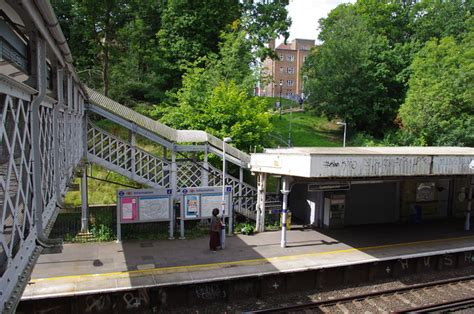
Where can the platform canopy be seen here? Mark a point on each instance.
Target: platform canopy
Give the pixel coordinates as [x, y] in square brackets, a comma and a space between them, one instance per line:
[350, 162]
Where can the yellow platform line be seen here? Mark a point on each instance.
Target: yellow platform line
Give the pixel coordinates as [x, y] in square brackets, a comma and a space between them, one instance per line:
[185, 268]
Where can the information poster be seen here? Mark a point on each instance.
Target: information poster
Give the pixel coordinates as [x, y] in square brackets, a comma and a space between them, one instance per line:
[191, 206]
[153, 208]
[211, 201]
[129, 208]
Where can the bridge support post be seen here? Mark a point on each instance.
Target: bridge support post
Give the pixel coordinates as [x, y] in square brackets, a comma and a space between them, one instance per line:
[132, 139]
[40, 67]
[84, 203]
[205, 171]
[285, 191]
[57, 107]
[241, 179]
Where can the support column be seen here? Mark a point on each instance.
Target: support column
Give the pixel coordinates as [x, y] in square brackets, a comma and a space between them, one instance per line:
[39, 63]
[467, 223]
[285, 191]
[132, 139]
[205, 170]
[174, 186]
[84, 203]
[241, 186]
[261, 196]
[57, 107]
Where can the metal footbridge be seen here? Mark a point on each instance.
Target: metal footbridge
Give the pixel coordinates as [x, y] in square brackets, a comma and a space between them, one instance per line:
[47, 139]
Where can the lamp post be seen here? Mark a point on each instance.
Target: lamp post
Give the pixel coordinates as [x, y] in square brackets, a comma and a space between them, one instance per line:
[224, 141]
[345, 127]
[289, 131]
[281, 85]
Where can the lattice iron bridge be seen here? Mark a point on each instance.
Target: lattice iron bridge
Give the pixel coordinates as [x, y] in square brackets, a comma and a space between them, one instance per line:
[47, 138]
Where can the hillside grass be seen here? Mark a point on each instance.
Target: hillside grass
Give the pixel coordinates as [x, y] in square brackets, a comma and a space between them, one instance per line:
[306, 131]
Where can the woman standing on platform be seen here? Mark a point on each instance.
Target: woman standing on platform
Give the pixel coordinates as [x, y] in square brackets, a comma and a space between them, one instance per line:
[216, 225]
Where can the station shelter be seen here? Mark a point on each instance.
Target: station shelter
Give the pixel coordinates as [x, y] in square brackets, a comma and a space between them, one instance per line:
[338, 187]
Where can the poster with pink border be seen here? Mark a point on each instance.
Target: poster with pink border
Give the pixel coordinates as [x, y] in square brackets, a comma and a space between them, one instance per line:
[129, 208]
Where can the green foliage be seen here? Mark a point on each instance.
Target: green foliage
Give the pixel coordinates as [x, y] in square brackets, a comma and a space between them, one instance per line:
[138, 50]
[102, 233]
[217, 99]
[245, 228]
[353, 77]
[361, 71]
[99, 191]
[439, 108]
[263, 21]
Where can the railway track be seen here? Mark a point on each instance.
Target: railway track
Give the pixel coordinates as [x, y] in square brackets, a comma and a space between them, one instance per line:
[439, 295]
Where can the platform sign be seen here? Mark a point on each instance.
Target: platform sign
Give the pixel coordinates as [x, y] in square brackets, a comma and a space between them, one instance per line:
[198, 203]
[144, 205]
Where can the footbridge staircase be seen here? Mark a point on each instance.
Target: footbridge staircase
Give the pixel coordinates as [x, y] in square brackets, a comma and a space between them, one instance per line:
[176, 167]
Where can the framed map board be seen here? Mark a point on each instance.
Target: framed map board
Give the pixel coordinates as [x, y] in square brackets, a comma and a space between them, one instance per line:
[211, 201]
[154, 208]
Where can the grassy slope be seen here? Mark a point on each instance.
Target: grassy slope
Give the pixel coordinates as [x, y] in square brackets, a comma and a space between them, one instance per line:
[306, 131]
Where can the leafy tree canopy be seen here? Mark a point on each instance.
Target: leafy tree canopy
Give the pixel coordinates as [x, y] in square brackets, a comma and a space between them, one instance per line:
[217, 97]
[439, 108]
[362, 70]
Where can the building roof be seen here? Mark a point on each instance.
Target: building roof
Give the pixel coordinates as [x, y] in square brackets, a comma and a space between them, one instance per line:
[354, 162]
[402, 150]
[283, 46]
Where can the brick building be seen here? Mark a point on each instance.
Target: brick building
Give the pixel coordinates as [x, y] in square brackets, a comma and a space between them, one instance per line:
[285, 72]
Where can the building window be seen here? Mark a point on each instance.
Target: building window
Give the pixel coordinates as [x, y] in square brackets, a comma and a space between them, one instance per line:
[291, 70]
[289, 82]
[290, 58]
[282, 57]
[281, 69]
[304, 58]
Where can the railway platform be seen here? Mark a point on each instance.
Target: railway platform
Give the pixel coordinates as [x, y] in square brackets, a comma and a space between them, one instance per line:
[82, 269]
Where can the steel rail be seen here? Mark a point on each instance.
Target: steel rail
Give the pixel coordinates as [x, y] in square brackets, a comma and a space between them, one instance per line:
[442, 306]
[362, 296]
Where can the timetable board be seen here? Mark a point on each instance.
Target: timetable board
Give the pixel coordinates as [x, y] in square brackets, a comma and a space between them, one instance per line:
[211, 201]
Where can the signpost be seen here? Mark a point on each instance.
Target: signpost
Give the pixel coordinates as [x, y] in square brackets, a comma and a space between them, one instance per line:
[145, 205]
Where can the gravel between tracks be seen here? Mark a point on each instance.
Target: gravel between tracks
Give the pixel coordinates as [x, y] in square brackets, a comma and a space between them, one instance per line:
[302, 297]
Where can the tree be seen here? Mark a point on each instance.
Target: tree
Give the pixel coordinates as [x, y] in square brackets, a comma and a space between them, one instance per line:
[439, 108]
[353, 74]
[93, 31]
[217, 96]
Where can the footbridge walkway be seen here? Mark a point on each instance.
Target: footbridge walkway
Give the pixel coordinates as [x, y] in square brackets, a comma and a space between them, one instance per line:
[47, 139]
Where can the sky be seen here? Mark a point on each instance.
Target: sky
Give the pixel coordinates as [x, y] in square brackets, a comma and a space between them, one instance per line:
[305, 15]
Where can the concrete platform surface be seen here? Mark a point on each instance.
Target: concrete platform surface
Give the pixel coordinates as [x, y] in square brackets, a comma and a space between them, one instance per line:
[100, 267]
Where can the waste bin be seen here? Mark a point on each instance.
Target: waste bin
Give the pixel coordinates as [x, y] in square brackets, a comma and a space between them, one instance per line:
[288, 220]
